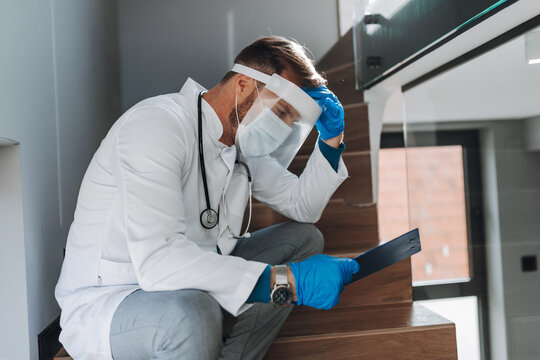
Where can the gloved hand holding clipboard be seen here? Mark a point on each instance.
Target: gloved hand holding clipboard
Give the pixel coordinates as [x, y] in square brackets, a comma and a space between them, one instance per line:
[387, 254]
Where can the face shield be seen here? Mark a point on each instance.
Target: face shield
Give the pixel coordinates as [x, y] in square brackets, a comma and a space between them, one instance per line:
[279, 120]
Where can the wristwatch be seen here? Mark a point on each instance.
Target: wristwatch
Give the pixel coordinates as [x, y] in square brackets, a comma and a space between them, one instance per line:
[281, 294]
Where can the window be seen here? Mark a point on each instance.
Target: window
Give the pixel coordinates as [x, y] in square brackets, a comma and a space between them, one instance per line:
[435, 186]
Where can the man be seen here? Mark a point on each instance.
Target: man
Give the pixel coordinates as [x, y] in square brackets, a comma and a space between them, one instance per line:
[156, 252]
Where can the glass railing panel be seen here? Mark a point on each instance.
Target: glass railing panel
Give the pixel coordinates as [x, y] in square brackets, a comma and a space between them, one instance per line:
[472, 159]
[390, 33]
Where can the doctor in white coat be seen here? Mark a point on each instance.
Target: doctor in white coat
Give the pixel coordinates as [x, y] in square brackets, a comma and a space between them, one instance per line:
[156, 251]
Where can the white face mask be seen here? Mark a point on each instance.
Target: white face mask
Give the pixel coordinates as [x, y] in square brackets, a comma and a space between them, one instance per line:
[263, 135]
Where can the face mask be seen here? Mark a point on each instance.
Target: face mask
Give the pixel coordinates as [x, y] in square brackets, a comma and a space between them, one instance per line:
[263, 135]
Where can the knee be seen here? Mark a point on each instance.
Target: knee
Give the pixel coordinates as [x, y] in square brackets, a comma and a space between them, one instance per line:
[197, 325]
[207, 311]
[313, 243]
[202, 315]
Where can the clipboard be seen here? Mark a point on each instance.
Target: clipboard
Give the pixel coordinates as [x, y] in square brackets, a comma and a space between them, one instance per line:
[388, 254]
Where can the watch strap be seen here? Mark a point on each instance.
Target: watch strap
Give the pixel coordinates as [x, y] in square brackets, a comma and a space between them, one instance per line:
[281, 275]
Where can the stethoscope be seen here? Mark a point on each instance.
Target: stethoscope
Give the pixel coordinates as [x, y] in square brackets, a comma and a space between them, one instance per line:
[209, 217]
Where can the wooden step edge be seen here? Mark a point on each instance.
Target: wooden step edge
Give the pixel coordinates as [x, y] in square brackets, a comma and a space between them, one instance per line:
[347, 254]
[350, 334]
[345, 155]
[340, 306]
[338, 68]
[62, 355]
[362, 319]
[355, 105]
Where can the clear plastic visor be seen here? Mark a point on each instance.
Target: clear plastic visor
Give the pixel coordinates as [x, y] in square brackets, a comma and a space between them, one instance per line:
[281, 116]
[265, 98]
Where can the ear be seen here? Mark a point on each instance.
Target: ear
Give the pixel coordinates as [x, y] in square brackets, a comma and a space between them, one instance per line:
[243, 86]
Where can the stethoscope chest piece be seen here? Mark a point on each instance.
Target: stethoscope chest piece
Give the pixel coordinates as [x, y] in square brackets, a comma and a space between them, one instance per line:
[209, 218]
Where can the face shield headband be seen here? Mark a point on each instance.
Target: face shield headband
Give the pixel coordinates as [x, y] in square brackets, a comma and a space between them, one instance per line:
[278, 123]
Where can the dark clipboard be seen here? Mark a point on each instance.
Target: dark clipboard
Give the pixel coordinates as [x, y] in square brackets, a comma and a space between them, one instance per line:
[388, 254]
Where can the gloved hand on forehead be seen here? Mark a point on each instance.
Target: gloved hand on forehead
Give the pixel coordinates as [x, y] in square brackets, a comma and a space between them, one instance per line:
[331, 122]
[321, 278]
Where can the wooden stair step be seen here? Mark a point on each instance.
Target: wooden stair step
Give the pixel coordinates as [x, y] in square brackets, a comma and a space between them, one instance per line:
[390, 285]
[346, 228]
[399, 331]
[342, 82]
[356, 189]
[338, 66]
[62, 355]
[356, 127]
[356, 131]
[340, 53]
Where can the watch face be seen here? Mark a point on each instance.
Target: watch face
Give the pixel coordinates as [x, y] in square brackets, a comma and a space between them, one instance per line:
[281, 295]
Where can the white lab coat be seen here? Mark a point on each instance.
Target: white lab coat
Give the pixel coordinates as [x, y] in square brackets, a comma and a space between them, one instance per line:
[137, 223]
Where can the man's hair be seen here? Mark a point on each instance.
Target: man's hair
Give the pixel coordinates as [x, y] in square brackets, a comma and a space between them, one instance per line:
[275, 54]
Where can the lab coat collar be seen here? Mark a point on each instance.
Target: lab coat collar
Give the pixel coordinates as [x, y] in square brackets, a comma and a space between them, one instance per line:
[211, 122]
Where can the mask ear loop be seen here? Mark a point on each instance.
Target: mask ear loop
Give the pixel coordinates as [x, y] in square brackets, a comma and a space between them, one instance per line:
[259, 94]
[236, 102]
[236, 108]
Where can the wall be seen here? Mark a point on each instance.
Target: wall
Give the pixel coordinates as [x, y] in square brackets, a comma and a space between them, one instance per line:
[162, 43]
[518, 190]
[14, 301]
[58, 96]
[532, 133]
[494, 256]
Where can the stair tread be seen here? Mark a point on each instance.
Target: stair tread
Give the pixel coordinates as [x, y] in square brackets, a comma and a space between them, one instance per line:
[390, 285]
[356, 130]
[389, 318]
[347, 229]
[357, 188]
[341, 52]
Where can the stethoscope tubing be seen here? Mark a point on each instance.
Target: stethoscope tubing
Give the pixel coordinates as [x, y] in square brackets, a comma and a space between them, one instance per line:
[209, 218]
[201, 151]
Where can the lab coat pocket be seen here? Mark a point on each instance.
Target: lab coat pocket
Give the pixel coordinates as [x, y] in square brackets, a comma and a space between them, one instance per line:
[116, 273]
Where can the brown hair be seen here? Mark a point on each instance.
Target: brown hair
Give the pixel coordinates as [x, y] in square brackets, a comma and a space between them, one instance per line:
[275, 54]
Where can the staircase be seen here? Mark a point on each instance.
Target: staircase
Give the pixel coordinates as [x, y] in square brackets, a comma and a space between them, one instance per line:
[376, 317]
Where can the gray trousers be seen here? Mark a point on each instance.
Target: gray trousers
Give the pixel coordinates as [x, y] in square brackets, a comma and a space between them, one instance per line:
[188, 324]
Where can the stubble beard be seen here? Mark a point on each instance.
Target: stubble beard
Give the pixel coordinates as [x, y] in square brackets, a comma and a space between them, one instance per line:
[243, 108]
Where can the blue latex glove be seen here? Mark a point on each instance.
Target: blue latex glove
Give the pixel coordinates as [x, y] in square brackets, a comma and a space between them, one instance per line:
[331, 122]
[321, 278]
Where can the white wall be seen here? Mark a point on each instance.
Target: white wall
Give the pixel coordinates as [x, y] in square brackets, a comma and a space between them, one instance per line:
[532, 133]
[518, 192]
[162, 43]
[58, 96]
[14, 300]
[494, 256]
